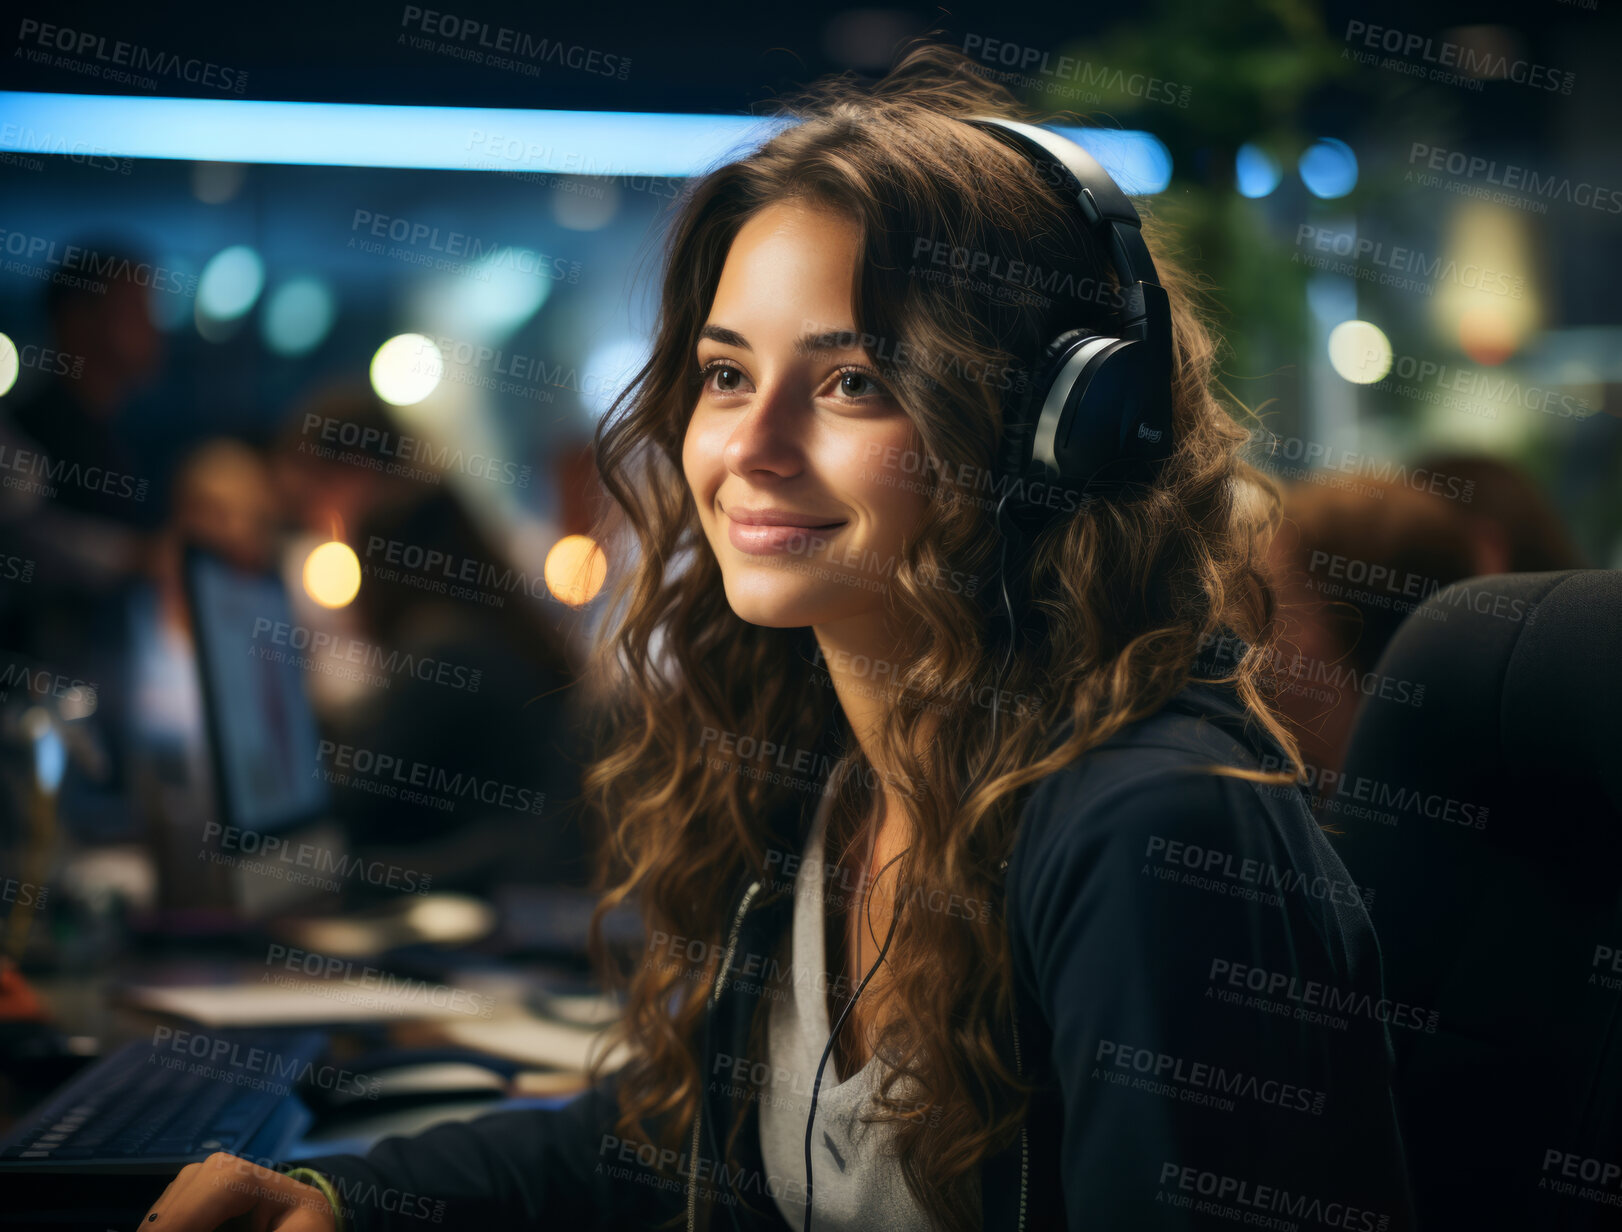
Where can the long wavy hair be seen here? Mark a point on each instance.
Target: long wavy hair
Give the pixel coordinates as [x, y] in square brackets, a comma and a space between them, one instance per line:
[1124, 594]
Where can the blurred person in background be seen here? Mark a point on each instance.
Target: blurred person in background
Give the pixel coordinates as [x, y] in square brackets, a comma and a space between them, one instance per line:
[81, 507]
[435, 587]
[107, 349]
[331, 462]
[324, 489]
[1517, 527]
[222, 500]
[1350, 564]
[340, 472]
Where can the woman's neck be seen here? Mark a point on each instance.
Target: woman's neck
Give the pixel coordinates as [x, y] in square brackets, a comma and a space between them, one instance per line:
[864, 660]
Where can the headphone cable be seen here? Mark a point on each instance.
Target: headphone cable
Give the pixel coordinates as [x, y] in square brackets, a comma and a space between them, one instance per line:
[816, 1084]
[1008, 657]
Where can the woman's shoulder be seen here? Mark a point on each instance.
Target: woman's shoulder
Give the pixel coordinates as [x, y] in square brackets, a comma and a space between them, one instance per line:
[1203, 726]
[1145, 837]
[1152, 785]
[1157, 793]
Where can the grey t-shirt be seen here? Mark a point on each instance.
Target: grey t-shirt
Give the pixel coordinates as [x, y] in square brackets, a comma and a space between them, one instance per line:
[857, 1180]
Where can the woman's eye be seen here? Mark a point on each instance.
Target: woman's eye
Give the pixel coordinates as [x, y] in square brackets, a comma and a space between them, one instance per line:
[724, 377]
[859, 385]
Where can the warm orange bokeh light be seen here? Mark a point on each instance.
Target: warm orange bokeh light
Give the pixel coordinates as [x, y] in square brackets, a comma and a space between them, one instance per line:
[575, 570]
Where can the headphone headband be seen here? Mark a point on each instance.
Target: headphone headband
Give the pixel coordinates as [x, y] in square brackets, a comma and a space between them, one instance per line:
[1108, 211]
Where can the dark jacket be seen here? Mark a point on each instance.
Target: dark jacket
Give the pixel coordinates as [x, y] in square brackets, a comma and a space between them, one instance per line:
[1198, 992]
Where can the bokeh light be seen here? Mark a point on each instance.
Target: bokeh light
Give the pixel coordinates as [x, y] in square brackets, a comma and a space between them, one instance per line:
[406, 369]
[1487, 335]
[1255, 171]
[231, 283]
[9, 365]
[575, 570]
[298, 315]
[1492, 295]
[1360, 352]
[332, 574]
[1328, 168]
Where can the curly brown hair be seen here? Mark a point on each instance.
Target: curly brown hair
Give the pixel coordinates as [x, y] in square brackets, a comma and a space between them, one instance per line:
[1124, 592]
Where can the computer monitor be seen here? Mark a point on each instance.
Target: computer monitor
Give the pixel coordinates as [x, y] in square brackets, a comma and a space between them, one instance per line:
[262, 730]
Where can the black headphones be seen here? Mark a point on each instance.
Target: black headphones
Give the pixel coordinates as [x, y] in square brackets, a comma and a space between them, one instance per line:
[1098, 413]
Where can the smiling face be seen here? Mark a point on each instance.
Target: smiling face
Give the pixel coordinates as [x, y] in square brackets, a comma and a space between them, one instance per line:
[797, 454]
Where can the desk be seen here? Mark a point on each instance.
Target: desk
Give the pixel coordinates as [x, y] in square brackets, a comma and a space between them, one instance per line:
[81, 1004]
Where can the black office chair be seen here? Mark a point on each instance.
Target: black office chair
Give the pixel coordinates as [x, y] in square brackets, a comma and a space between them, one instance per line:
[1498, 895]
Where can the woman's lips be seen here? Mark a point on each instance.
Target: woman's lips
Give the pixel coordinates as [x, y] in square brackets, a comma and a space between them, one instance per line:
[763, 540]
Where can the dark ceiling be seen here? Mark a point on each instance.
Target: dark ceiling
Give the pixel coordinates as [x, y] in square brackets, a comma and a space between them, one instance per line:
[715, 57]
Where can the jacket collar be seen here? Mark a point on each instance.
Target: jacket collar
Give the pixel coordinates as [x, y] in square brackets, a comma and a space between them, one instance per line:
[1207, 695]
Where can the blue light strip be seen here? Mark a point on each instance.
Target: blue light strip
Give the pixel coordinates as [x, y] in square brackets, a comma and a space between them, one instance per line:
[1139, 162]
[438, 138]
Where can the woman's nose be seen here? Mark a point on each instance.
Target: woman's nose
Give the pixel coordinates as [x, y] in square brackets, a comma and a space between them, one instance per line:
[767, 435]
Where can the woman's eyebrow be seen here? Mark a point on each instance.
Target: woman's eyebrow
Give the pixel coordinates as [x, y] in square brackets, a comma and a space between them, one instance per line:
[808, 344]
[725, 336]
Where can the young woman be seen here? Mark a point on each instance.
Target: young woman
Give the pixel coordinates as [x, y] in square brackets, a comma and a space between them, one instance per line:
[967, 902]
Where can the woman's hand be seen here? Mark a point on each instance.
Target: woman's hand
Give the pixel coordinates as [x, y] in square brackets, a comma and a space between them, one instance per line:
[224, 1187]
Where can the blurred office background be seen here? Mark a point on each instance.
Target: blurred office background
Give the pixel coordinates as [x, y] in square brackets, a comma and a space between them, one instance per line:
[398, 345]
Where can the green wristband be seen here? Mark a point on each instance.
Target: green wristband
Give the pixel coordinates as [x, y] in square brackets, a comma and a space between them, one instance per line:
[310, 1176]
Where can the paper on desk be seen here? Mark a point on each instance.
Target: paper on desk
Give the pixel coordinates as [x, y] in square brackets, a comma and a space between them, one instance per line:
[301, 1002]
[535, 1041]
[517, 1036]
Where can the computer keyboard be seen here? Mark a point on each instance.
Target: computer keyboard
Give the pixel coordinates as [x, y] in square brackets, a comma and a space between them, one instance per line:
[153, 1106]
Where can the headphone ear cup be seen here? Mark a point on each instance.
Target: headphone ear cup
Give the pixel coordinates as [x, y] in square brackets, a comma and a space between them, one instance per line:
[1019, 429]
[1109, 436]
